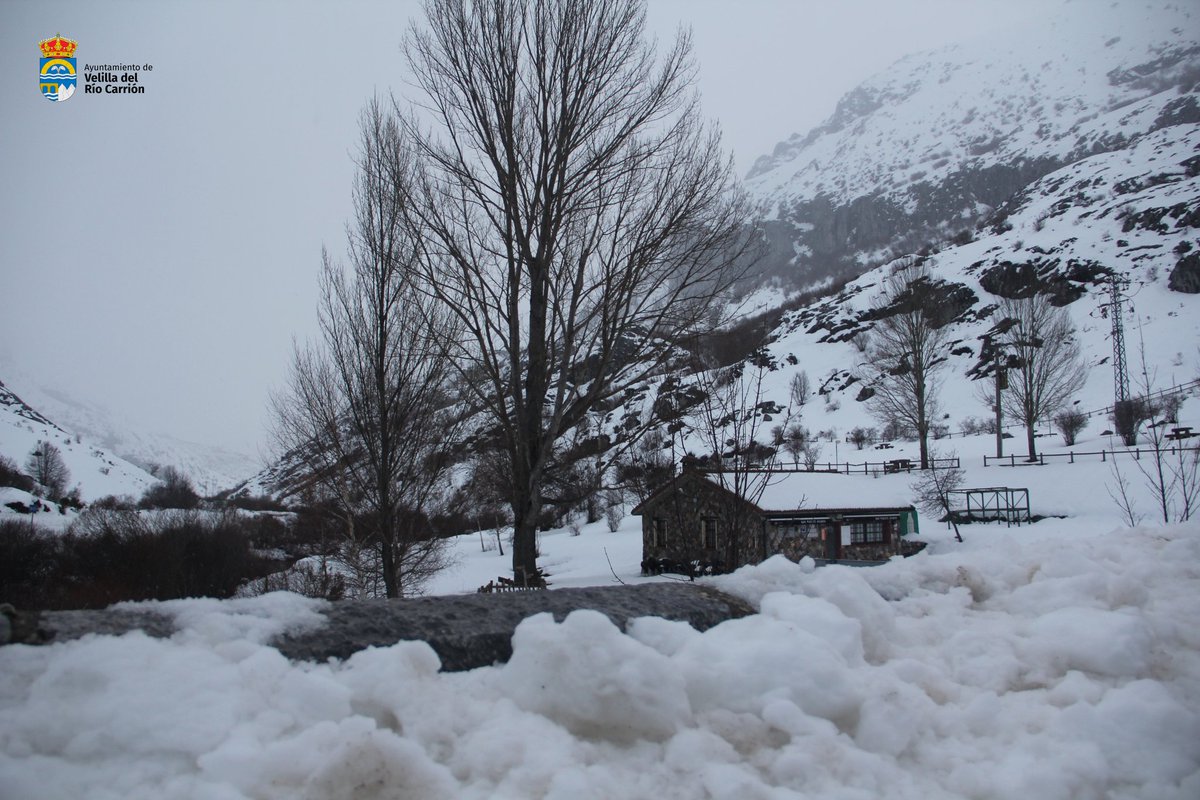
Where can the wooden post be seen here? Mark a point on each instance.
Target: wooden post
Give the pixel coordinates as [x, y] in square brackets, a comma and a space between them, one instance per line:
[1000, 379]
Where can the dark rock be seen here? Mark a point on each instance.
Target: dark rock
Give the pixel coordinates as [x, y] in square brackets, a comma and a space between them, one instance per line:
[1185, 277]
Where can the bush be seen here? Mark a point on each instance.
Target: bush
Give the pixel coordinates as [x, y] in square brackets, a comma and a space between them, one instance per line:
[28, 559]
[1069, 424]
[256, 503]
[11, 475]
[112, 502]
[811, 452]
[175, 491]
[614, 510]
[1128, 416]
[970, 426]
[110, 556]
[1170, 407]
[862, 436]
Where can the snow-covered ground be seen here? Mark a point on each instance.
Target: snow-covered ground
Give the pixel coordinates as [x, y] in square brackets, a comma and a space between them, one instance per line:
[1054, 660]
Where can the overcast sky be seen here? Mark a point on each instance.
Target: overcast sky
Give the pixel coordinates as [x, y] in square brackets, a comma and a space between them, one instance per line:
[159, 251]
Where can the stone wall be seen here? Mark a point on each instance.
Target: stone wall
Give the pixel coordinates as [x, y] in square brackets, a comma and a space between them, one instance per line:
[466, 631]
[682, 508]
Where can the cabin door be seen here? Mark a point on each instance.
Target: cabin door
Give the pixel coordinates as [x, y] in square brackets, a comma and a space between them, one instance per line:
[833, 538]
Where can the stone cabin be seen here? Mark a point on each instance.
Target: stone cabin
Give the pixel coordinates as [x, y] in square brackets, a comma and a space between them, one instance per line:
[692, 524]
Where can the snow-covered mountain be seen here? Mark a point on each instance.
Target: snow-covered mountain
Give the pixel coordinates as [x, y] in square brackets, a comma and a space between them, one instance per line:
[1047, 160]
[95, 470]
[1134, 212]
[926, 150]
[211, 468]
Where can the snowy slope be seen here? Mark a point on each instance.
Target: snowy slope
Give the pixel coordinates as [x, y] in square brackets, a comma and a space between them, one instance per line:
[932, 145]
[211, 468]
[1069, 231]
[97, 471]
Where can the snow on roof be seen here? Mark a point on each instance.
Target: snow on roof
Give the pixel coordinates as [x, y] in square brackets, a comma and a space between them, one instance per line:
[789, 491]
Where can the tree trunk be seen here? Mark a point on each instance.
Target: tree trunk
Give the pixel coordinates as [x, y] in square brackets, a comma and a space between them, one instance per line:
[1030, 440]
[387, 554]
[524, 543]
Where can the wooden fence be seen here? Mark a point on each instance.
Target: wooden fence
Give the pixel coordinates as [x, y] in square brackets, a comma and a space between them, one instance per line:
[851, 468]
[1071, 456]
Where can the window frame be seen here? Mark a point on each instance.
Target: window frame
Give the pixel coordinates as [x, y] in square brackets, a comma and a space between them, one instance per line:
[868, 531]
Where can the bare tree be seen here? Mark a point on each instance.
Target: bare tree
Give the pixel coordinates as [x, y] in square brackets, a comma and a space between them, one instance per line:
[647, 465]
[729, 421]
[1163, 478]
[799, 389]
[1185, 472]
[934, 488]
[370, 405]
[46, 466]
[582, 218]
[1119, 491]
[906, 354]
[1049, 368]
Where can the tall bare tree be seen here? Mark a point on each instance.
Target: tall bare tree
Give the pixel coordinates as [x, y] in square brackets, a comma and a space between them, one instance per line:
[46, 466]
[906, 353]
[370, 404]
[581, 215]
[1049, 367]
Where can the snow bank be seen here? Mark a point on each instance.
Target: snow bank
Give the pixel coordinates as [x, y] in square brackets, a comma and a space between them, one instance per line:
[1018, 666]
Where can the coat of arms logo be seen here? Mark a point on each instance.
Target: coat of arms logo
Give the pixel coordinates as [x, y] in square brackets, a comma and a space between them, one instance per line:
[57, 74]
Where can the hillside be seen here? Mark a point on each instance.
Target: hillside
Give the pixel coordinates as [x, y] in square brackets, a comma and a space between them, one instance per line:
[931, 147]
[211, 468]
[1131, 213]
[96, 471]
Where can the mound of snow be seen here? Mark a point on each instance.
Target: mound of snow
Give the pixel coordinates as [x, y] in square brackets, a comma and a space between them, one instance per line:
[1023, 663]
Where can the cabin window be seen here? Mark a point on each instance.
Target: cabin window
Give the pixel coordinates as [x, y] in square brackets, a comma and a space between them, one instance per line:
[866, 532]
[708, 533]
[658, 533]
[798, 530]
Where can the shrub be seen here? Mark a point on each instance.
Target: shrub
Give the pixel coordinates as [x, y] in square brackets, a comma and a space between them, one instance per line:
[614, 510]
[175, 491]
[256, 503]
[112, 502]
[811, 452]
[28, 558]
[109, 556]
[862, 436]
[1170, 407]
[1069, 424]
[1128, 416]
[11, 475]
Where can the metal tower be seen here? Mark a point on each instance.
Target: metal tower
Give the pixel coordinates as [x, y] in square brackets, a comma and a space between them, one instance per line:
[1114, 309]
